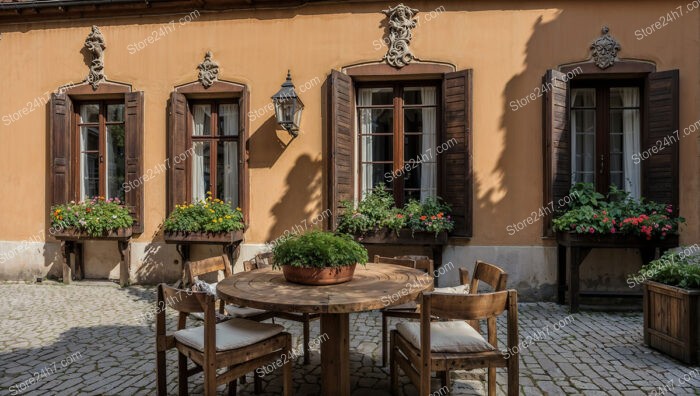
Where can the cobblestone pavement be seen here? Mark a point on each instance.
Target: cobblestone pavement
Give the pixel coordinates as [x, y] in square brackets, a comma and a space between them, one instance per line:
[91, 338]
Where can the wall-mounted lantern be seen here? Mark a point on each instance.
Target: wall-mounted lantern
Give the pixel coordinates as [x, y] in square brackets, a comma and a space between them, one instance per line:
[288, 107]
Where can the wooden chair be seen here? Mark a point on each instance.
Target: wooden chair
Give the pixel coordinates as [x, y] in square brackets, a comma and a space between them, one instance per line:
[407, 310]
[195, 269]
[490, 274]
[239, 345]
[264, 260]
[419, 348]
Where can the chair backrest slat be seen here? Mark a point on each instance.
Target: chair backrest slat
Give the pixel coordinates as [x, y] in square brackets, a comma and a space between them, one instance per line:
[250, 265]
[467, 306]
[424, 263]
[410, 263]
[264, 260]
[195, 269]
[184, 300]
[489, 274]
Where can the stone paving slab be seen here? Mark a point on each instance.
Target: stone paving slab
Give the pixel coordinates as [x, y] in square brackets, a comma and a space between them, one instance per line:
[96, 339]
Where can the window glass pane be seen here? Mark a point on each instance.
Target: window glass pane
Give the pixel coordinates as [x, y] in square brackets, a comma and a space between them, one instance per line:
[583, 132]
[115, 112]
[377, 148]
[625, 138]
[201, 120]
[375, 96]
[201, 172]
[376, 121]
[419, 96]
[624, 97]
[375, 174]
[115, 161]
[89, 113]
[228, 119]
[583, 97]
[227, 172]
[414, 119]
[89, 162]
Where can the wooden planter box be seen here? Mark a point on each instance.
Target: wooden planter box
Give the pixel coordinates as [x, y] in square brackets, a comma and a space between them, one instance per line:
[72, 234]
[671, 317]
[614, 240]
[217, 238]
[404, 237]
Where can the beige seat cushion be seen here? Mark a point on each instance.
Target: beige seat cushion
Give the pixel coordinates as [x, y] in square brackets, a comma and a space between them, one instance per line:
[453, 336]
[232, 334]
[461, 289]
[243, 312]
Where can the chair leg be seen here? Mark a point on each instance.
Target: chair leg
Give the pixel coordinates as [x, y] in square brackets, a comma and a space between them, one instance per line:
[257, 383]
[385, 329]
[161, 375]
[513, 375]
[492, 381]
[209, 380]
[307, 335]
[182, 374]
[232, 386]
[287, 370]
[445, 380]
[393, 373]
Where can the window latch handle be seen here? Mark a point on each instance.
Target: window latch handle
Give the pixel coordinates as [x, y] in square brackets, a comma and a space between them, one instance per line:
[102, 158]
[601, 164]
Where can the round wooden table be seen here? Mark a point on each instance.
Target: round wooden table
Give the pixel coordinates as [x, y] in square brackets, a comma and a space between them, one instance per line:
[374, 286]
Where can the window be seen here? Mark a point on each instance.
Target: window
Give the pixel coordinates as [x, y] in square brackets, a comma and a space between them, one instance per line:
[605, 127]
[214, 138]
[397, 139]
[101, 149]
[379, 128]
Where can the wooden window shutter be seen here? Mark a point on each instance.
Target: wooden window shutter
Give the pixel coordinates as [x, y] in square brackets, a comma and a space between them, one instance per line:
[557, 143]
[341, 112]
[177, 144]
[243, 127]
[661, 170]
[456, 162]
[133, 122]
[60, 148]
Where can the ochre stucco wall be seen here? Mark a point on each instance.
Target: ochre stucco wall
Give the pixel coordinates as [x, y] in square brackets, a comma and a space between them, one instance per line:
[509, 45]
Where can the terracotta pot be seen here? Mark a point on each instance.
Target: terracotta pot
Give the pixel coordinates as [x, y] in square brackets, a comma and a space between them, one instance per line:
[318, 276]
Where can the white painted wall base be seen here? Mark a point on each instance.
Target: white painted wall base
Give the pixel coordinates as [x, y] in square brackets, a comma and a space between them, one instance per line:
[531, 269]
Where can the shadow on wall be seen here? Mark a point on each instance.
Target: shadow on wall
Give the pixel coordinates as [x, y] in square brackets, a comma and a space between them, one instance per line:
[268, 143]
[292, 212]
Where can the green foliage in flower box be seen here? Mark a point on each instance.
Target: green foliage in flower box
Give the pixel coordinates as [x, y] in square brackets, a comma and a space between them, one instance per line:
[95, 217]
[210, 215]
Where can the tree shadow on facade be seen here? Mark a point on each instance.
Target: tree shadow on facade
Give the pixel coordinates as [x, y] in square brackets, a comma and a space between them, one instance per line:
[293, 212]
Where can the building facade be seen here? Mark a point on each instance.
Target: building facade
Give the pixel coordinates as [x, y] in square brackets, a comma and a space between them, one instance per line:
[491, 105]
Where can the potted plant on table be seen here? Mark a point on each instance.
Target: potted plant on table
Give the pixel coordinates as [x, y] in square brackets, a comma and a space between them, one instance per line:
[208, 221]
[318, 258]
[98, 218]
[376, 219]
[671, 288]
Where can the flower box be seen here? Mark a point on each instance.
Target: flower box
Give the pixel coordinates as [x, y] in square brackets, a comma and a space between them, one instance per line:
[671, 317]
[404, 237]
[214, 238]
[72, 234]
[614, 240]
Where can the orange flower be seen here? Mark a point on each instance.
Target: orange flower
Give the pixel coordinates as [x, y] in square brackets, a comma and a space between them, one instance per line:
[432, 217]
[439, 215]
[399, 216]
[423, 217]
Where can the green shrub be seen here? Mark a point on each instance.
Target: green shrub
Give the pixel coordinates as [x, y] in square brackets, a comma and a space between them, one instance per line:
[592, 213]
[674, 269]
[211, 215]
[378, 210]
[95, 217]
[319, 249]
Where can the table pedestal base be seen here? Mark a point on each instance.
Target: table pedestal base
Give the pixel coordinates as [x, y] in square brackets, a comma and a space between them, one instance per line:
[335, 354]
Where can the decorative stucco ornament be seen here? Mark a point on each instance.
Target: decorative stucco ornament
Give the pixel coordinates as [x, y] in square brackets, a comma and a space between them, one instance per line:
[95, 43]
[401, 23]
[208, 71]
[604, 50]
